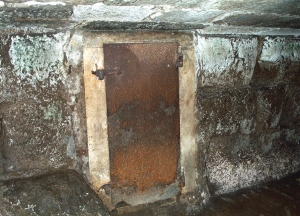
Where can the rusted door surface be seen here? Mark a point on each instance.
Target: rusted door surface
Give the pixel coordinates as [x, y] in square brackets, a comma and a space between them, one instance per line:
[143, 115]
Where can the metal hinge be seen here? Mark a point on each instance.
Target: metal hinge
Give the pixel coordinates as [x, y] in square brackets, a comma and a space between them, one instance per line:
[179, 61]
[182, 179]
[100, 73]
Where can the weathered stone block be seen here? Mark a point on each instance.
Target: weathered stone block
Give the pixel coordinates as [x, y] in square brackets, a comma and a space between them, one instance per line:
[237, 147]
[42, 102]
[187, 16]
[225, 61]
[279, 62]
[36, 135]
[33, 68]
[223, 111]
[292, 72]
[2, 159]
[59, 193]
[280, 49]
[270, 74]
[290, 115]
[112, 13]
[38, 58]
[260, 20]
[35, 11]
[228, 160]
[292, 136]
[266, 74]
[238, 160]
[269, 141]
[269, 106]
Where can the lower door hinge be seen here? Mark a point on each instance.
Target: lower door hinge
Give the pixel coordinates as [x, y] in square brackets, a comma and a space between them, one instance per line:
[179, 61]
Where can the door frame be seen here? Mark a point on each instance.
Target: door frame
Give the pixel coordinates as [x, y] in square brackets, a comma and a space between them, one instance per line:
[95, 99]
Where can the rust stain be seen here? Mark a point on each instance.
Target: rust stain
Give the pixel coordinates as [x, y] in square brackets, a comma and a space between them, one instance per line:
[143, 114]
[148, 68]
[144, 166]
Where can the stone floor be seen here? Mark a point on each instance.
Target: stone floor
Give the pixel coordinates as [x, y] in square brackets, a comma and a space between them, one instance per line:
[60, 193]
[66, 193]
[280, 198]
[274, 198]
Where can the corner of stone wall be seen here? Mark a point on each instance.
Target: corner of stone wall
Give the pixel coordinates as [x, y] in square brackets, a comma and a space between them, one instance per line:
[247, 109]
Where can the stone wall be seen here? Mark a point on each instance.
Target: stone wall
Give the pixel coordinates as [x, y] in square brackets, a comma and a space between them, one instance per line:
[42, 112]
[247, 109]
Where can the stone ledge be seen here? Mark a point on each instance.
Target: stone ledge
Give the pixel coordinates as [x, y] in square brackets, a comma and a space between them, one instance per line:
[104, 25]
[48, 16]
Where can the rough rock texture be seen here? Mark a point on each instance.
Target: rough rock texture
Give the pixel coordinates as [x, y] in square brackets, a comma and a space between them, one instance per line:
[225, 61]
[60, 193]
[273, 198]
[41, 104]
[247, 109]
[49, 16]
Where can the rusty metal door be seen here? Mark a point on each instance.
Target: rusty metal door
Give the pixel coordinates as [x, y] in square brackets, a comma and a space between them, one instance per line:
[143, 116]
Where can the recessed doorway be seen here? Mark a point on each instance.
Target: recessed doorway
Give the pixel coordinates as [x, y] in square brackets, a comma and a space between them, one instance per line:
[140, 118]
[142, 99]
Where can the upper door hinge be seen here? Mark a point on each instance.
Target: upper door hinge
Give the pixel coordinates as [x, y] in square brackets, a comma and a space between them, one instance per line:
[100, 73]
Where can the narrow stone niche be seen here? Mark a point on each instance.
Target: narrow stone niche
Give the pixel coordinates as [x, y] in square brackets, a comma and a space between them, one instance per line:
[127, 162]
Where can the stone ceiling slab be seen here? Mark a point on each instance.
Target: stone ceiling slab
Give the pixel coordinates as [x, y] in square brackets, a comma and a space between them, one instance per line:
[189, 16]
[261, 20]
[148, 14]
